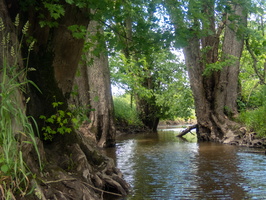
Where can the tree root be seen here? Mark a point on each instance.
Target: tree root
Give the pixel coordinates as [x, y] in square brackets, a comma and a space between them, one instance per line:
[112, 193]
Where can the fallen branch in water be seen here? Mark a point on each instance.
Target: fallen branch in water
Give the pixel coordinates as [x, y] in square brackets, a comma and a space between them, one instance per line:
[187, 130]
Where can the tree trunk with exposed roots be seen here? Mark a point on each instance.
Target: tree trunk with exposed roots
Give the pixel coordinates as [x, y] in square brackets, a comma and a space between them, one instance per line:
[72, 167]
[216, 93]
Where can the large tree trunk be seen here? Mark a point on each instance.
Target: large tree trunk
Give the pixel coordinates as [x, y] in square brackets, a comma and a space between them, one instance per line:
[215, 95]
[102, 117]
[70, 160]
[232, 46]
[55, 58]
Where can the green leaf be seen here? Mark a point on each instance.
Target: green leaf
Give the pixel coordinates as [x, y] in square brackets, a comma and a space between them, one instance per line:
[48, 129]
[42, 117]
[68, 130]
[65, 121]
[78, 32]
[50, 120]
[56, 10]
[61, 113]
[69, 114]
[61, 130]
[55, 104]
[59, 119]
[74, 120]
[70, 1]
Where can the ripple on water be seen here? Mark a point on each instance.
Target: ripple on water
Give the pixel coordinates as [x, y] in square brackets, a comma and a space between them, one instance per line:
[164, 167]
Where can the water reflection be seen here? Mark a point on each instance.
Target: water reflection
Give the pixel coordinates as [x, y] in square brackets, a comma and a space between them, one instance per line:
[253, 167]
[161, 166]
[218, 175]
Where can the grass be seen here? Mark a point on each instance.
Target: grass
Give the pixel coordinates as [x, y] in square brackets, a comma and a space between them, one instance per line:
[15, 128]
[14, 125]
[255, 120]
[254, 116]
[125, 112]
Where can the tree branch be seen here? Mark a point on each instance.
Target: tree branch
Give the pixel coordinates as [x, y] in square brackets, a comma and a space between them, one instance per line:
[255, 61]
[187, 130]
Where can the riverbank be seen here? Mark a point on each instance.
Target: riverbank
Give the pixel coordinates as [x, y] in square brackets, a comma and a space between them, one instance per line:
[245, 138]
[242, 137]
[177, 122]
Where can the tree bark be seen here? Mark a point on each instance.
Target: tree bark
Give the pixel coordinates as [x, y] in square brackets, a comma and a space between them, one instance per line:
[232, 45]
[102, 117]
[55, 57]
[215, 95]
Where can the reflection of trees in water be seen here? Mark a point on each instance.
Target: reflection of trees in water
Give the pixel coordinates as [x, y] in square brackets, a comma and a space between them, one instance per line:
[161, 166]
[218, 175]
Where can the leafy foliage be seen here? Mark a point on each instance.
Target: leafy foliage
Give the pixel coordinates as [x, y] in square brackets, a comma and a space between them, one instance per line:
[62, 121]
[125, 111]
[78, 32]
[255, 120]
[168, 86]
[228, 60]
[254, 115]
[253, 58]
[253, 71]
[58, 123]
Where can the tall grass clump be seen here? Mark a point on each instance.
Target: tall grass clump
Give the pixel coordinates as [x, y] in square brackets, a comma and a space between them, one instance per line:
[15, 128]
[125, 111]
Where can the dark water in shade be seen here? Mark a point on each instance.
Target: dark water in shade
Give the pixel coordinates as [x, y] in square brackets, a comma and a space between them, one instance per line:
[161, 166]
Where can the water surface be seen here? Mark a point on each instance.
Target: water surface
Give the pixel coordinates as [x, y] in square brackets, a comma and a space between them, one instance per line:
[162, 166]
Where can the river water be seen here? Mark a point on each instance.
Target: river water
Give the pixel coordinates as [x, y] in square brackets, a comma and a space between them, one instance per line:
[164, 167]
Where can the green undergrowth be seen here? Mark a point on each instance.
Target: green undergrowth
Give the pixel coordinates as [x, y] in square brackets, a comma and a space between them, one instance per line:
[253, 116]
[255, 120]
[125, 111]
[62, 121]
[15, 129]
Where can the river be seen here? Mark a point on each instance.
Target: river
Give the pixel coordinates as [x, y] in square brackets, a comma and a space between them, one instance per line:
[164, 167]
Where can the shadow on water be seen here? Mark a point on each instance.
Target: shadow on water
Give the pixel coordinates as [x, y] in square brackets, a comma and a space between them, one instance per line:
[162, 166]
